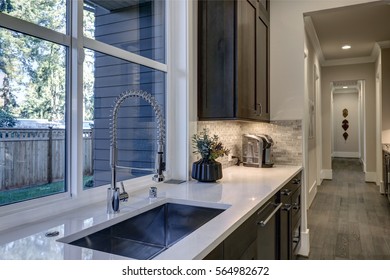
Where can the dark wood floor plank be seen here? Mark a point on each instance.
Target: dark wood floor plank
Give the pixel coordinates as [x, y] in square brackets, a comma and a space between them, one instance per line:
[355, 246]
[349, 218]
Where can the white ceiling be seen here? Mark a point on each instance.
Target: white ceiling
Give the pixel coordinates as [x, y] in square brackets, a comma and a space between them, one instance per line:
[360, 26]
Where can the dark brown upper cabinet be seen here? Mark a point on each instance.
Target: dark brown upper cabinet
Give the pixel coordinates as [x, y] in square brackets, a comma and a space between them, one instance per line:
[233, 60]
[264, 7]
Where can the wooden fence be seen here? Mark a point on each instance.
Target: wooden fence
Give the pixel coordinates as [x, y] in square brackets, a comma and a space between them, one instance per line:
[37, 156]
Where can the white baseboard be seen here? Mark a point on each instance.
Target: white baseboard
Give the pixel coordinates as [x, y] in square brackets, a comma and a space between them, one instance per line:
[312, 194]
[382, 187]
[304, 248]
[364, 165]
[370, 177]
[346, 154]
[326, 174]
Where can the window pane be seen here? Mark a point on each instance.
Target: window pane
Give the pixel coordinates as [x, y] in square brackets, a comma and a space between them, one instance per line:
[50, 14]
[32, 114]
[137, 26]
[106, 77]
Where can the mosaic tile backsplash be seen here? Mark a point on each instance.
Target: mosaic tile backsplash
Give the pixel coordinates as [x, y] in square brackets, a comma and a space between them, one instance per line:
[287, 137]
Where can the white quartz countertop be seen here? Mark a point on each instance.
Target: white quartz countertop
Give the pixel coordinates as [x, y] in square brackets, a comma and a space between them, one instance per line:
[241, 191]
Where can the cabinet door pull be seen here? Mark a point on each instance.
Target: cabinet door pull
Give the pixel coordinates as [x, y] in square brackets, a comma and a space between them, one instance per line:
[264, 223]
[286, 192]
[296, 206]
[287, 207]
[259, 109]
[296, 181]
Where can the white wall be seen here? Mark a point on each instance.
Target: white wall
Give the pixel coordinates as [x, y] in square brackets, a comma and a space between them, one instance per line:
[385, 89]
[312, 88]
[349, 147]
[287, 57]
[379, 118]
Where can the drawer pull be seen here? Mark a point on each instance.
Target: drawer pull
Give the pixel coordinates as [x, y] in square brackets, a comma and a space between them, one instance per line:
[296, 181]
[264, 223]
[285, 192]
[287, 207]
[296, 206]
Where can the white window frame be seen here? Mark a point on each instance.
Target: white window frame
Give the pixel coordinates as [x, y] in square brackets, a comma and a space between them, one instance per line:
[177, 147]
[32, 29]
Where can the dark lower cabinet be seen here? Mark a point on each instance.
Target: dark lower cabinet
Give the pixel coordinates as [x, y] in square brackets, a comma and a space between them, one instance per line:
[273, 232]
[255, 239]
[240, 245]
[295, 237]
[290, 218]
[268, 230]
[216, 254]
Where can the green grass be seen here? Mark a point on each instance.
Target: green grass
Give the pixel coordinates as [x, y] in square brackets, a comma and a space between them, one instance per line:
[31, 192]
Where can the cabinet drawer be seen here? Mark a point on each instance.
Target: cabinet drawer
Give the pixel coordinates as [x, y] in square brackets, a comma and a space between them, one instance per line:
[291, 186]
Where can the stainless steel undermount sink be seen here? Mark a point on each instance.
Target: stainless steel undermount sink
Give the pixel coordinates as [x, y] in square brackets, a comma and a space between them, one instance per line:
[147, 234]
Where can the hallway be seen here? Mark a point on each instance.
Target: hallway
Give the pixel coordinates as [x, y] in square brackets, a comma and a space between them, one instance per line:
[349, 219]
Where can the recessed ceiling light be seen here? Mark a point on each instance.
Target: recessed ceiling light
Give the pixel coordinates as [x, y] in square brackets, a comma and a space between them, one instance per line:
[345, 87]
[346, 47]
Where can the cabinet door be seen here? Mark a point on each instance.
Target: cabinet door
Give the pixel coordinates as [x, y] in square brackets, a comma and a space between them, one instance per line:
[285, 231]
[246, 59]
[240, 245]
[264, 7]
[262, 77]
[216, 72]
[216, 254]
[268, 235]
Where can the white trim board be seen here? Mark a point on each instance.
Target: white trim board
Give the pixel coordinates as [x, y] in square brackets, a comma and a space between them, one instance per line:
[312, 34]
[312, 194]
[304, 248]
[348, 61]
[370, 177]
[326, 174]
[346, 154]
[384, 44]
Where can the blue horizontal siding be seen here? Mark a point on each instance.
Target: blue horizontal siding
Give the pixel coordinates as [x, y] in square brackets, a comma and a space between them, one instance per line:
[139, 29]
[135, 29]
[124, 25]
[139, 11]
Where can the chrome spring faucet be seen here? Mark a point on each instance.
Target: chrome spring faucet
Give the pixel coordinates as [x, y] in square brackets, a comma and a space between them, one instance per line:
[114, 196]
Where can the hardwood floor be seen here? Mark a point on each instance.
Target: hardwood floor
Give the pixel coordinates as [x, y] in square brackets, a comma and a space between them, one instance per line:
[349, 219]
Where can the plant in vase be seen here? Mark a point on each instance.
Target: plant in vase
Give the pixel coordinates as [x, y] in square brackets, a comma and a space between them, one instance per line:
[207, 169]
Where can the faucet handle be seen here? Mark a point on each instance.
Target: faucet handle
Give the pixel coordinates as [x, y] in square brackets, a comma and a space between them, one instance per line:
[123, 196]
[158, 178]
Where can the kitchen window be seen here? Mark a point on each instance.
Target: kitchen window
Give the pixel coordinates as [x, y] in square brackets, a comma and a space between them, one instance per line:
[117, 46]
[137, 128]
[33, 97]
[49, 14]
[129, 28]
